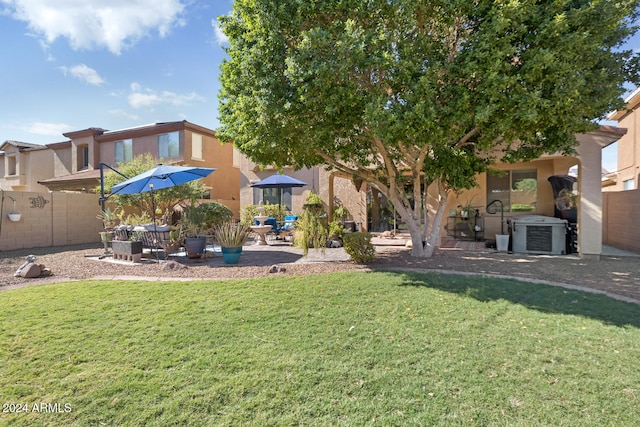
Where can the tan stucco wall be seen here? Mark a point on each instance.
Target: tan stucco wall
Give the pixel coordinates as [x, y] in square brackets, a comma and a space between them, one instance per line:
[61, 162]
[50, 219]
[224, 182]
[590, 200]
[344, 193]
[619, 226]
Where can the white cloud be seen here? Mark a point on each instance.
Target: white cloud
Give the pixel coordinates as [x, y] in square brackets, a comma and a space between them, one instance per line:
[143, 97]
[48, 129]
[84, 73]
[124, 114]
[220, 37]
[88, 24]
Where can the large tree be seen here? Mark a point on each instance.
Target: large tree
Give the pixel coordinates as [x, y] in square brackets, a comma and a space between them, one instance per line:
[417, 93]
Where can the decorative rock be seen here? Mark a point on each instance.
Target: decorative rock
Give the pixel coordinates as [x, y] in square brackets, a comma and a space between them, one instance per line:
[275, 268]
[31, 271]
[173, 265]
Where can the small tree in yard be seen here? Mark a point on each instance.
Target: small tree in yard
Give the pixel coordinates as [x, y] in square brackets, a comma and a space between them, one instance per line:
[409, 94]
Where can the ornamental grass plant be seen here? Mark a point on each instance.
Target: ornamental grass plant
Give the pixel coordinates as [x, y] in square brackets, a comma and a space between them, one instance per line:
[231, 234]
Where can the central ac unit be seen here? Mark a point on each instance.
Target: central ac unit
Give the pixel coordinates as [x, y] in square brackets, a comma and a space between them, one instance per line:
[537, 234]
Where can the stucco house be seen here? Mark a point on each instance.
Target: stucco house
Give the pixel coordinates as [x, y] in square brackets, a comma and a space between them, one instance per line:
[370, 211]
[628, 173]
[22, 164]
[74, 164]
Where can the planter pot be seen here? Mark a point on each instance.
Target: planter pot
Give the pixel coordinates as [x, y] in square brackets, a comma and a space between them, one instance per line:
[502, 242]
[159, 228]
[231, 255]
[195, 246]
[127, 247]
[15, 217]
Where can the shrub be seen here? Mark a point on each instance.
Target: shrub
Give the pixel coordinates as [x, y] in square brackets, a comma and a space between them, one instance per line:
[201, 219]
[359, 247]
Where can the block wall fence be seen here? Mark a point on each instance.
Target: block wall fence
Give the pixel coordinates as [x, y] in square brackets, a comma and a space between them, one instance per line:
[620, 216]
[58, 219]
[49, 219]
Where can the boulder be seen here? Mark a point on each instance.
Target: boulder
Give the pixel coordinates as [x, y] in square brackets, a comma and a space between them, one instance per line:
[31, 271]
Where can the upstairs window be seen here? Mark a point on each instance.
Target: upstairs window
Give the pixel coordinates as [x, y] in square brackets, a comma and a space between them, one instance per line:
[517, 189]
[83, 157]
[124, 151]
[169, 145]
[196, 147]
[12, 165]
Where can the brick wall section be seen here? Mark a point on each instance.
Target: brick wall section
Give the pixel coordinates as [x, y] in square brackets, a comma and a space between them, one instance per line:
[49, 219]
[619, 219]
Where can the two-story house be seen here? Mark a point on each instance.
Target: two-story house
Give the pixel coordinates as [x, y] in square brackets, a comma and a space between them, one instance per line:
[22, 164]
[74, 164]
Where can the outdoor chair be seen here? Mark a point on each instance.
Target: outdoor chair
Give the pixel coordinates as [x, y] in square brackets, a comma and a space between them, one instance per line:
[288, 228]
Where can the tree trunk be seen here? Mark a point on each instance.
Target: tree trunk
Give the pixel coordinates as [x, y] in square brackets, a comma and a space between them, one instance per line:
[422, 248]
[435, 228]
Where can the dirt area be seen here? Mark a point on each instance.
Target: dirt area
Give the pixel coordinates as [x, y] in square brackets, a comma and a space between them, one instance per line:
[617, 275]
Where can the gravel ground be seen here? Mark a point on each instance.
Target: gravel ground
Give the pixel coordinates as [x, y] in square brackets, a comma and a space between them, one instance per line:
[614, 275]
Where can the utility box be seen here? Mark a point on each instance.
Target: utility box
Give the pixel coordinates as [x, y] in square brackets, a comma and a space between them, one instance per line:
[537, 234]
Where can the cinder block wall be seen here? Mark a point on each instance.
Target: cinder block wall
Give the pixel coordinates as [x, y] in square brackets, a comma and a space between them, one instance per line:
[620, 228]
[49, 219]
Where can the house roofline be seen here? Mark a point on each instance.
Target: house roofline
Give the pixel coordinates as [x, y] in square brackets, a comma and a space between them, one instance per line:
[153, 128]
[632, 100]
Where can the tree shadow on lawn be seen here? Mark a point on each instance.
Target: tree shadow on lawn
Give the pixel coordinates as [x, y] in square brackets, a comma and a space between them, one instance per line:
[536, 296]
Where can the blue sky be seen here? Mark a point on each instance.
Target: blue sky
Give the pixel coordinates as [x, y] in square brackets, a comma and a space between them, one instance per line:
[77, 64]
[74, 64]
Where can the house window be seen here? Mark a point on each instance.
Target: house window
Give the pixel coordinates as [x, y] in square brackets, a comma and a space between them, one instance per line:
[196, 146]
[516, 189]
[12, 165]
[629, 184]
[83, 157]
[124, 151]
[169, 145]
[271, 196]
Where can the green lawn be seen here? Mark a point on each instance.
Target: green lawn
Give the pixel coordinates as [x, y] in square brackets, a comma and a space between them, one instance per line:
[344, 349]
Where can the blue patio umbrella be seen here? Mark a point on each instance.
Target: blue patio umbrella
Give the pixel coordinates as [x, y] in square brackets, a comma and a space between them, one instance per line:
[279, 181]
[160, 177]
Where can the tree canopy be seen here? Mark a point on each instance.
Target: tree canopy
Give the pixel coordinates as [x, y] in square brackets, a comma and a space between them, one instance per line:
[414, 93]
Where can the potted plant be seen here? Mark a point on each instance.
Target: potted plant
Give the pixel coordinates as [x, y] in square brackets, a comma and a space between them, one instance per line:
[336, 230]
[195, 241]
[231, 236]
[175, 241]
[467, 210]
[109, 218]
[312, 225]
